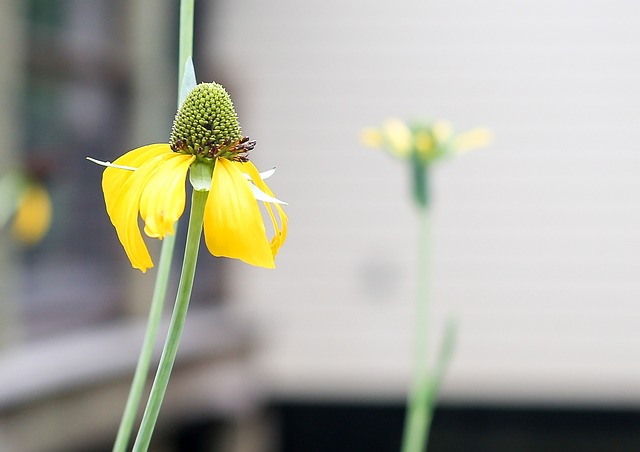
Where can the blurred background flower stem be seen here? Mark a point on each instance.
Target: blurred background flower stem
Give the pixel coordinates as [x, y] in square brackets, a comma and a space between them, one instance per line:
[420, 145]
[426, 379]
[185, 50]
[420, 405]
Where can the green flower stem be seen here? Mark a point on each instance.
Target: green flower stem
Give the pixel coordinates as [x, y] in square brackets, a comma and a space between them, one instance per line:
[185, 44]
[421, 400]
[177, 323]
[144, 361]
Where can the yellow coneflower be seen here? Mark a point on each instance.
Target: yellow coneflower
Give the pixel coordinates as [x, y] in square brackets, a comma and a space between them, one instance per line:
[207, 141]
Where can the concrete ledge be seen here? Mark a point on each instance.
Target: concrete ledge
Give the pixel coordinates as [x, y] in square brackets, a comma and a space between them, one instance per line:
[69, 392]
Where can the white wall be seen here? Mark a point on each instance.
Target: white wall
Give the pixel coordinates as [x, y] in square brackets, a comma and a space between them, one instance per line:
[536, 239]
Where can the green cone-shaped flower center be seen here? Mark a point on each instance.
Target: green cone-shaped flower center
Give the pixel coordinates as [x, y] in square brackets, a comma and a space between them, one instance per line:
[207, 125]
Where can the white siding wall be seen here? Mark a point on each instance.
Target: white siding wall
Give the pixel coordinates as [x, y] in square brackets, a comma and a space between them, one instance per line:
[536, 239]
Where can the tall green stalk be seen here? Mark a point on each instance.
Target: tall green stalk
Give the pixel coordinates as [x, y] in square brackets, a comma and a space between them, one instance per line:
[185, 41]
[177, 322]
[164, 266]
[421, 399]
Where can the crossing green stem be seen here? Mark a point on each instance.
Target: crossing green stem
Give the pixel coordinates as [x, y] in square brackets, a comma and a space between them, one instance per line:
[144, 361]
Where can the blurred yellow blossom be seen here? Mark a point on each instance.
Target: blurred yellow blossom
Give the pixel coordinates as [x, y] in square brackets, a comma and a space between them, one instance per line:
[26, 204]
[422, 143]
[33, 215]
[428, 141]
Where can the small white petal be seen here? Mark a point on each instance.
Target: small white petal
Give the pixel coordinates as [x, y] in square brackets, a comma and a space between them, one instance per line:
[267, 174]
[262, 196]
[111, 165]
[263, 175]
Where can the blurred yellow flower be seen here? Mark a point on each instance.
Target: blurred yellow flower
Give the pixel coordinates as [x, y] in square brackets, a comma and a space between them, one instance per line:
[424, 141]
[33, 215]
[421, 144]
[25, 204]
[150, 182]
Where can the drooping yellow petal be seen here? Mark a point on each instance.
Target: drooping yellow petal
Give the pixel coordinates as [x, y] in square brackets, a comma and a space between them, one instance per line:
[279, 227]
[114, 178]
[124, 214]
[122, 192]
[233, 225]
[33, 216]
[163, 197]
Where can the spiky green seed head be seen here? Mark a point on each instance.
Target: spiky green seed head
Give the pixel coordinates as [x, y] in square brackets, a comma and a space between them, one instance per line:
[205, 121]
